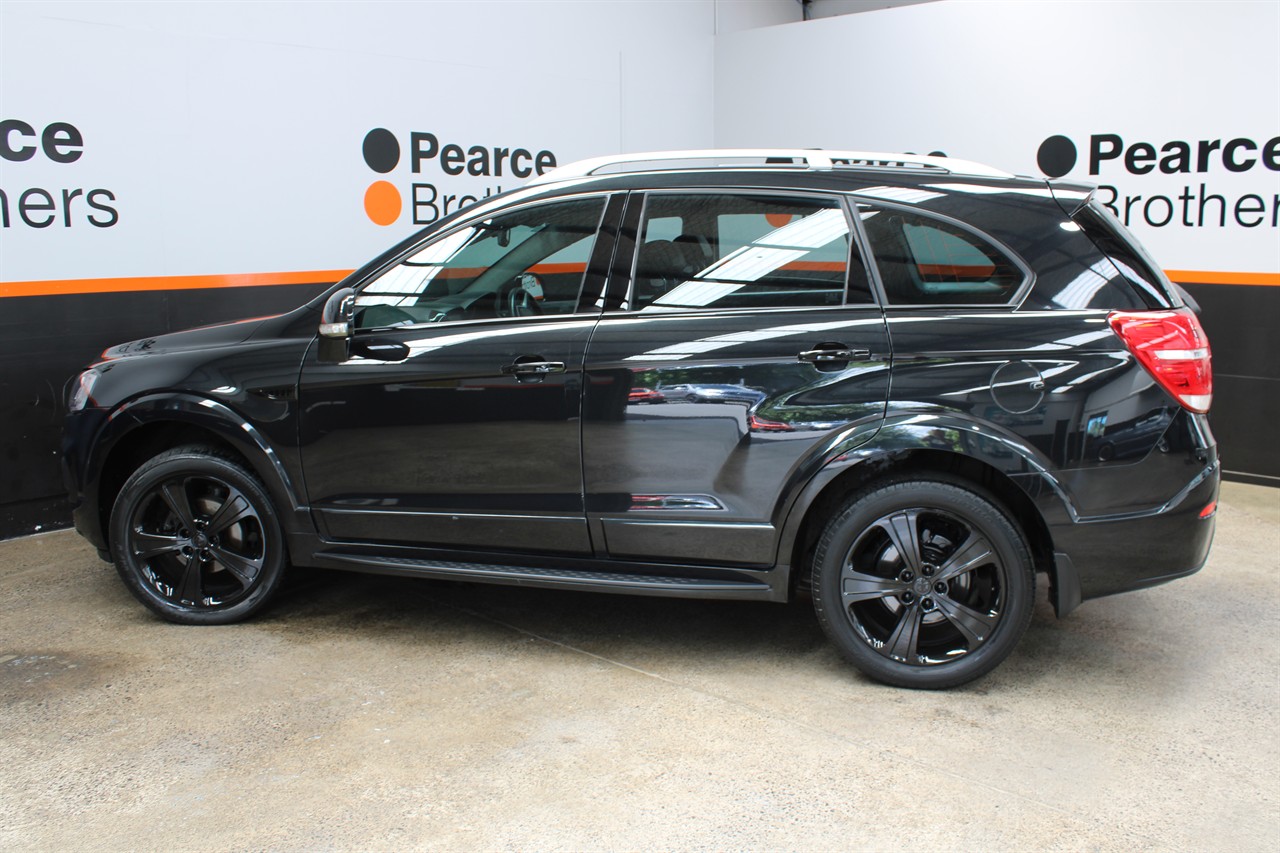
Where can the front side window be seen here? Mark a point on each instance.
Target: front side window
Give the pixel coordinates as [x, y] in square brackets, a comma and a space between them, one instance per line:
[744, 251]
[524, 263]
[924, 261]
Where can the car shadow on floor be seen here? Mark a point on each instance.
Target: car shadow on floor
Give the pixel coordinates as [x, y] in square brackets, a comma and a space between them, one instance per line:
[630, 629]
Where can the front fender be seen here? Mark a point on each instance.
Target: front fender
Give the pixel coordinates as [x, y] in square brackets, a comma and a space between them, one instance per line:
[218, 418]
[181, 409]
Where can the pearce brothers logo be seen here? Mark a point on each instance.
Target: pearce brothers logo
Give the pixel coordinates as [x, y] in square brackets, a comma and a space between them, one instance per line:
[1194, 205]
[384, 202]
[60, 143]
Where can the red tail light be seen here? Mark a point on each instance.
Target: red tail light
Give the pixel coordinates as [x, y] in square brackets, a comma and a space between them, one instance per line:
[759, 424]
[1172, 346]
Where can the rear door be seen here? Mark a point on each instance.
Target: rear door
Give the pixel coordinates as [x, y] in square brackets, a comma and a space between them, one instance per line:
[751, 315]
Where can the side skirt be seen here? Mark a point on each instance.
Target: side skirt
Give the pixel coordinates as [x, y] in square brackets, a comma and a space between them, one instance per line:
[626, 578]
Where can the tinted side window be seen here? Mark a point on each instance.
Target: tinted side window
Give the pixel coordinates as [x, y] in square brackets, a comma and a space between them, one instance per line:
[1143, 284]
[924, 261]
[527, 262]
[745, 251]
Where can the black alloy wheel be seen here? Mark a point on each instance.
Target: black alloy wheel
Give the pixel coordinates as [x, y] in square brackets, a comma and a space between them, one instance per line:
[923, 584]
[196, 539]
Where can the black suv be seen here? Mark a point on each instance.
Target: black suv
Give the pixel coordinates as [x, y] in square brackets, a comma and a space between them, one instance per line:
[947, 380]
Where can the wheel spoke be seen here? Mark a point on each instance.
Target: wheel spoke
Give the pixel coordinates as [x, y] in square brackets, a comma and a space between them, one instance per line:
[148, 545]
[904, 531]
[856, 586]
[975, 626]
[975, 552]
[175, 497]
[191, 586]
[244, 569]
[901, 645]
[235, 508]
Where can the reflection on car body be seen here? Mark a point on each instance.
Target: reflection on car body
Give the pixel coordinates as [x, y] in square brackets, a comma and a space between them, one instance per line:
[713, 394]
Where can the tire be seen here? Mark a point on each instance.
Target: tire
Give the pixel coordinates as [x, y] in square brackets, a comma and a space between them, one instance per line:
[196, 539]
[923, 584]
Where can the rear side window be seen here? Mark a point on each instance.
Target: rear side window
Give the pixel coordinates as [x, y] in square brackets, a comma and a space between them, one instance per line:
[712, 250]
[924, 261]
[1143, 285]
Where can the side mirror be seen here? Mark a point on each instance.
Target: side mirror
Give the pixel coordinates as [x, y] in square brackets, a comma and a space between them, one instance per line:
[339, 309]
[335, 326]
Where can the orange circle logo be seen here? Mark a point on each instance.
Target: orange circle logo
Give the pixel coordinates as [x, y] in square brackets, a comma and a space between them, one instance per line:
[382, 203]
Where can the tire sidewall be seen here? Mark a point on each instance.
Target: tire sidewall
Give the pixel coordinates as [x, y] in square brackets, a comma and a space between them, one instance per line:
[139, 486]
[976, 509]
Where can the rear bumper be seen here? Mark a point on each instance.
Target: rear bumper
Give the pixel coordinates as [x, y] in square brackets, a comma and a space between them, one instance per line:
[1104, 556]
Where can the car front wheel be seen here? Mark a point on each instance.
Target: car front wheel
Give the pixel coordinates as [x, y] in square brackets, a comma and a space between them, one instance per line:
[923, 584]
[196, 539]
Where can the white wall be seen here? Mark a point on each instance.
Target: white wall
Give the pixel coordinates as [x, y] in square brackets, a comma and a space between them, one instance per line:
[227, 136]
[990, 81]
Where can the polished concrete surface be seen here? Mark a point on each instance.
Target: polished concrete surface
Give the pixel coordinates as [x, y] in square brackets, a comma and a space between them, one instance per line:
[365, 713]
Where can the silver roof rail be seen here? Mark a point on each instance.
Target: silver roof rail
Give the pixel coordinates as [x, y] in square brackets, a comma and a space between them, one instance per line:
[813, 159]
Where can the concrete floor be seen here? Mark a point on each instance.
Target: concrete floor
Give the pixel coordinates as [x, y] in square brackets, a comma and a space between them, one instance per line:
[380, 713]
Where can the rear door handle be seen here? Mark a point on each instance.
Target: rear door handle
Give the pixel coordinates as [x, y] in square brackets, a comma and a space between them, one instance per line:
[533, 368]
[826, 356]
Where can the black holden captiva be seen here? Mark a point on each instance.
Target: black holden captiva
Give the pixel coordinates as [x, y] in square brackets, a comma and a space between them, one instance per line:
[907, 387]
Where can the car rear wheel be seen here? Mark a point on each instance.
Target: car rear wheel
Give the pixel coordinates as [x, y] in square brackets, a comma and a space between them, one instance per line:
[923, 584]
[196, 539]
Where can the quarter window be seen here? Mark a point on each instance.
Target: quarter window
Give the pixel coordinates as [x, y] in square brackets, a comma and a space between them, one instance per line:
[925, 261]
[524, 263]
[744, 251]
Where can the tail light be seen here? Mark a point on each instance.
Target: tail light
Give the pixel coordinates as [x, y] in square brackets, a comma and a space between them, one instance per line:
[759, 424]
[1172, 346]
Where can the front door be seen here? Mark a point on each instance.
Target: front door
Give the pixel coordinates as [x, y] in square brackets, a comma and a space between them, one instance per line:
[454, 422]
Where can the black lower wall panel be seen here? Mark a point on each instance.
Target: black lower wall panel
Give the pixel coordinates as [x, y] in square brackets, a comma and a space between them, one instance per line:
[1241, 323]
[1246, 422]
[46, 340]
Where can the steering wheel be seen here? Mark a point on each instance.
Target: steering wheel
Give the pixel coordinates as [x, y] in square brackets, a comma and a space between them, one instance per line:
[521, 297]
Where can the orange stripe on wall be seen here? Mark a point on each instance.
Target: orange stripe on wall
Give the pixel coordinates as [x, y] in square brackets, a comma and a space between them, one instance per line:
[71, 286]
[1266, 279]
[540, 269]
[166, 282]
[957, 270]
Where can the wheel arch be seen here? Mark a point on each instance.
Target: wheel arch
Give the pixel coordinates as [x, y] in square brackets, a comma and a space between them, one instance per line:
[907, 455]
[147, 426]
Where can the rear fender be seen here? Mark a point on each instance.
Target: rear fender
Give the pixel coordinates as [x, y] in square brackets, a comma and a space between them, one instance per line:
[939, 433]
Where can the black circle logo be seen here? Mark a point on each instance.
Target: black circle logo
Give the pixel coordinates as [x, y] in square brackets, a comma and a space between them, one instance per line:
[1057, 156]
[381, 151]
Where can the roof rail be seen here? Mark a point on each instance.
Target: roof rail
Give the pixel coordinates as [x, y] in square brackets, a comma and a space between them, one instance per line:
[813, 159]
